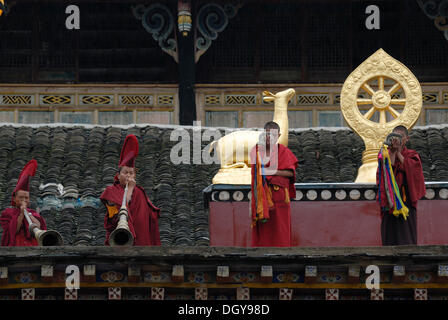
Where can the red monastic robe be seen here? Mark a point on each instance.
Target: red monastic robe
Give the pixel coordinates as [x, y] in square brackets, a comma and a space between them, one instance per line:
[276, 232]
[143, 215]
[410, 172]
[23, 237]
[411, 183]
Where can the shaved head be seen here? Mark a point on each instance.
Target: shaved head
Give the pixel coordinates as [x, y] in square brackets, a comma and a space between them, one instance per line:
[402, 129]
[271, 125]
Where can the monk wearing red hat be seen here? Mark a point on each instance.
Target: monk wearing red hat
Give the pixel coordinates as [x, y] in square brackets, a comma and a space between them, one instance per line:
[13, 221]
[143, 215]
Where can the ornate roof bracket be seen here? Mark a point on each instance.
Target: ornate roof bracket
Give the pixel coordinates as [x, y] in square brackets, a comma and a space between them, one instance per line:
[2, 7]
[211, 19]
[5, 8]
[436, 10]
[158, 20]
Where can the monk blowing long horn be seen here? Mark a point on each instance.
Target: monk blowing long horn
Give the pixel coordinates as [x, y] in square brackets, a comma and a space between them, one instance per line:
[388, 142]
[121, 236]
[45, 238]
[392, 136]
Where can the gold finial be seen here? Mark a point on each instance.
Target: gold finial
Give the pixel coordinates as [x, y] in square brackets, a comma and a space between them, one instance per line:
[2, 6]
[379, 78]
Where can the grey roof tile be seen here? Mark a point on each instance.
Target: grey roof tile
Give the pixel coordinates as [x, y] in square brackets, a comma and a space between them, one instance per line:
[84, 161]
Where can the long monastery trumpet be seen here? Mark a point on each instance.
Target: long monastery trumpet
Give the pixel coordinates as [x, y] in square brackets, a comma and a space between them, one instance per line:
[122, 236]
[45, 238]
[391, 136]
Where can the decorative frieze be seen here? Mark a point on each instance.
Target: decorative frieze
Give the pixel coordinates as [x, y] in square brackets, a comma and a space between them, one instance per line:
[28, 294]
[93, 100]
[222, 273]
[81, 104]
[46, 273]
[136, 99]
[326, 278]
[177, 274]
[56, 99]
[242, 294]
[241, 99]
[157, 293]
[442, 273]
[353, 274]
[430, 97]
[399, 273]
[212, 99]
[377, 294]
[320, 192]
[165, 100]
[17, 99]
[134, 272]
[331, 294]
[114, 293]
[285, 294]
[311, 99]
[420, 294]
[71, 294]
[3, 275]
[201, 294]
[310, 274]
[89, 273]
[266, 273]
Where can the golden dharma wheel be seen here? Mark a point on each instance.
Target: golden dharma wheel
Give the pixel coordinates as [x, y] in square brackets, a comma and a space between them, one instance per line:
[379, 95]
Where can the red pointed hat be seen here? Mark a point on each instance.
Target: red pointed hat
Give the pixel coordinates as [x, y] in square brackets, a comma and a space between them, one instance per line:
[129, 152]
[23, 183]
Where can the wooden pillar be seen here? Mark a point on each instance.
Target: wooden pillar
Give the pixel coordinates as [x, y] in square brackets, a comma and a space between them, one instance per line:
[187, 66]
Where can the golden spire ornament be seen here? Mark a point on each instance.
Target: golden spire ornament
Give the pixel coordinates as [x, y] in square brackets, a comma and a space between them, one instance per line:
[377, 96]
[2, 7]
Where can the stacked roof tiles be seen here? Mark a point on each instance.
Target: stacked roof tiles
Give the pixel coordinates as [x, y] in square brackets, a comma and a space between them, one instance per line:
[75, 164]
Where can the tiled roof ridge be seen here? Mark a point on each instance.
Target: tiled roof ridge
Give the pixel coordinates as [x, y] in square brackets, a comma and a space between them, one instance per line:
[84, 158]
[175, 126]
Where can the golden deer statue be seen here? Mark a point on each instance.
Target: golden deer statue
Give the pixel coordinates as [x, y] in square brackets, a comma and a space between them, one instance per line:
[233, 149]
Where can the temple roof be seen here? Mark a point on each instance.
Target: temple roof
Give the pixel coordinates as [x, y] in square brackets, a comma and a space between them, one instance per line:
[338, 256]
[84, 159]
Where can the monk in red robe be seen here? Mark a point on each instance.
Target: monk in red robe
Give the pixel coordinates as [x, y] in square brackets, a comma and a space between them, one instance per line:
[408, 172]
[271, 222]
[13, 221]
[143, 215]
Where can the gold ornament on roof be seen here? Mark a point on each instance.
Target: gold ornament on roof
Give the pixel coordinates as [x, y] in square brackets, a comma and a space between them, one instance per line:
[389, 94]
[2, 7]
[233, 149]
